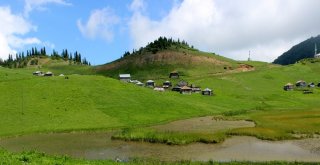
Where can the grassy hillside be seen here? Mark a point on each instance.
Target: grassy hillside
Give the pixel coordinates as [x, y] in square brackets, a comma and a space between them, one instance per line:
[59, 66]
[44, 104]
[89, 102]
[159, 58]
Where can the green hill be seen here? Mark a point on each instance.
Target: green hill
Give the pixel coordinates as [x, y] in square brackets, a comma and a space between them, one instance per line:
[300, 51]
[64, 63]
[156, 61]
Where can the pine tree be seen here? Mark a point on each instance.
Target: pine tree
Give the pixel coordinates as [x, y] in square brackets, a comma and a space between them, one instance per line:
[32, 51]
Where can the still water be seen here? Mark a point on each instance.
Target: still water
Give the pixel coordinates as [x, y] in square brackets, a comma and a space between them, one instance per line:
[100, 146]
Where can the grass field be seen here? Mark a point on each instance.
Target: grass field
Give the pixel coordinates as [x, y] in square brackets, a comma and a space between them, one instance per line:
[87, 101]
[90, 102]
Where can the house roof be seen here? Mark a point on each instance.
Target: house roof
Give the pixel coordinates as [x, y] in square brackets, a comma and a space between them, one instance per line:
[289, 84]
[207, 89]
[124, 75]
[300, 81]
[150, 81]
[186, 88]
[49, 73]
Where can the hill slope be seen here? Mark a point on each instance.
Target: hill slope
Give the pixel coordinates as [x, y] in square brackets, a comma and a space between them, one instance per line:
[156, 61]
[83, 102]
[303, 50]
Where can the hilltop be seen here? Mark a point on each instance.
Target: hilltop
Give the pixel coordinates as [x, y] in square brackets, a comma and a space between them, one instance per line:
[159, 58]
[300, 51]
[59, 63]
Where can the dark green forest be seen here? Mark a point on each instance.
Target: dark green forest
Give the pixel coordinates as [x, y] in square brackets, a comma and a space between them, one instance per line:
[162, 43]
[31, 57]
[298, 52]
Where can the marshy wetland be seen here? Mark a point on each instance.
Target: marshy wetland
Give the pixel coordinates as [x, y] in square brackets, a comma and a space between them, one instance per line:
[100, 146]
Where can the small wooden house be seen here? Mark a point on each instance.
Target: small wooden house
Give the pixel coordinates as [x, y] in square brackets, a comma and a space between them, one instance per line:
[37, 73]
[301, 83]
[195, 89]
[125, 77]
[207, 92]
[48, 74]
[176, 89]
[288, 87]
[150, 83]
[174, 75]
[311, 85]
[139, 83]
[167, 84]
[186, 90]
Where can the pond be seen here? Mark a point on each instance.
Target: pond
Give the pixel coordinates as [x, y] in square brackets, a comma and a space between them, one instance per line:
[99, 145]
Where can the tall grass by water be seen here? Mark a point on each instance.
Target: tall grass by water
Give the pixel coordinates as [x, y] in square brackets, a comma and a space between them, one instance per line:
[168, 137]
[35, 158]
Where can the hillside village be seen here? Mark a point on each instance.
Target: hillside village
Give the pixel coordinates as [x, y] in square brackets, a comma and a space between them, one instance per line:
[160, 82]
[181, 87]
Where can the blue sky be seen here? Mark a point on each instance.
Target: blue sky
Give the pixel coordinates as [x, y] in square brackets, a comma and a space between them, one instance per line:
[103, 30]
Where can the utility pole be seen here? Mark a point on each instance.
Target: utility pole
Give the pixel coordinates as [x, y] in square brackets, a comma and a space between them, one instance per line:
[22, 100]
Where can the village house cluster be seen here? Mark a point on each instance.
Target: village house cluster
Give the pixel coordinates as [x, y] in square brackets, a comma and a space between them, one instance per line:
[182, 86]
[46, 74]
[301, 85]
[40, 73]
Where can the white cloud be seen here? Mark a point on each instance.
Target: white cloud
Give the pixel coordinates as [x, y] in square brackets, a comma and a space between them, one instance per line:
[31, 5]
[11, 29]
[100, 24]
[232, 28]
[16, 42]
[137, 6]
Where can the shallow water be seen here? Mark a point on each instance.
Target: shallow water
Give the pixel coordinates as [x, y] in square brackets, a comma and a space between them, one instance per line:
[100, 146]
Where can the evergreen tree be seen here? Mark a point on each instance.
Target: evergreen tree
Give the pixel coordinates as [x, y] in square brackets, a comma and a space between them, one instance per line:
[32, 52]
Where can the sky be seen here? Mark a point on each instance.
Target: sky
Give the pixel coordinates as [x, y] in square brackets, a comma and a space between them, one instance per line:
[102, 30]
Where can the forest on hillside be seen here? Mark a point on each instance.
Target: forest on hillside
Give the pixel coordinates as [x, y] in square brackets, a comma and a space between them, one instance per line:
[162, 43]
[31, 57]
[305, 49]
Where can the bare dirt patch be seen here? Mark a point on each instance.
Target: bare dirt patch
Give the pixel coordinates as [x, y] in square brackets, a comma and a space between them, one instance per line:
[203, 124]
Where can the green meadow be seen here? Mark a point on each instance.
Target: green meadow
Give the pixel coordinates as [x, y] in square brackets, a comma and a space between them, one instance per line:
[90, 101]
[93, 102]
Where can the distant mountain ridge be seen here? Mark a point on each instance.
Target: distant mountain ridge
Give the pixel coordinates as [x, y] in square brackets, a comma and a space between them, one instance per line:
[305, 49]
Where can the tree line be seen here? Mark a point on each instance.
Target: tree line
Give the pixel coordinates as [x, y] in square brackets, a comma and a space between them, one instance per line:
[305, 49]
[31, 57]
[162, 43]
